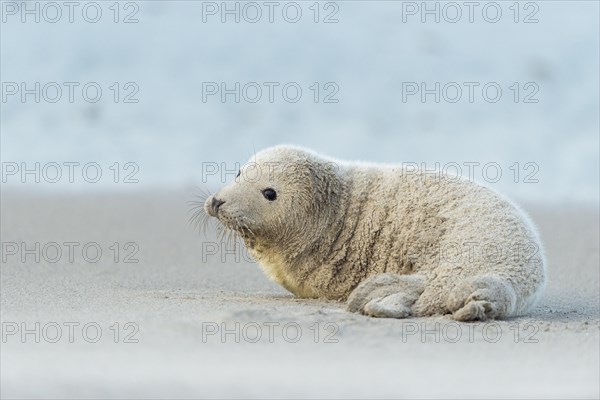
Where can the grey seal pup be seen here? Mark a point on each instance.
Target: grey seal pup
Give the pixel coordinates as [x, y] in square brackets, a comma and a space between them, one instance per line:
[392, 241]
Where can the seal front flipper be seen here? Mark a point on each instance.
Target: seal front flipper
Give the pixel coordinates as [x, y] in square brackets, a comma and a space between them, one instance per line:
[386, 295]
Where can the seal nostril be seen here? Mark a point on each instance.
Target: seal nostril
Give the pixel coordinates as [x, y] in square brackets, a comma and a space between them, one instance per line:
[216, 204]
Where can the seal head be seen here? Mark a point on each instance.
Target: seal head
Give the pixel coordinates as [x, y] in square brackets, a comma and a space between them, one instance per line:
[280, 204]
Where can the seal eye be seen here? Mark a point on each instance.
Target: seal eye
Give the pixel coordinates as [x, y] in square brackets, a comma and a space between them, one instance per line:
[269, 194]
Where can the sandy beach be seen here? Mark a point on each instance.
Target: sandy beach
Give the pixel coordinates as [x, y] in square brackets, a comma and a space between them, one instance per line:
[163, 311]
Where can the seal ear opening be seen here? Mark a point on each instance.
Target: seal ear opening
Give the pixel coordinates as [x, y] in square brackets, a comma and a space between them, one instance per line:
[269, 194]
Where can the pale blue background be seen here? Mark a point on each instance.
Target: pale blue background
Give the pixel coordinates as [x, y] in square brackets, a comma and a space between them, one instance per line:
[369, 53]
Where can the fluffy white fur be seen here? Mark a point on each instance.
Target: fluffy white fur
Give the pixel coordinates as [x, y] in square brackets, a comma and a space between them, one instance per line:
[393, 242]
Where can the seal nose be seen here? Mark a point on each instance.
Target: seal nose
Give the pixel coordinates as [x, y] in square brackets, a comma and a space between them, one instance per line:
[216, 203]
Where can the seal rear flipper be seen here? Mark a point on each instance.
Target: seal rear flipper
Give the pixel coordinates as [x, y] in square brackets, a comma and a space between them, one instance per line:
[481, 298]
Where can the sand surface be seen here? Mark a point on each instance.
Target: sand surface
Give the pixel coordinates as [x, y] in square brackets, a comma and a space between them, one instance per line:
[196, 321]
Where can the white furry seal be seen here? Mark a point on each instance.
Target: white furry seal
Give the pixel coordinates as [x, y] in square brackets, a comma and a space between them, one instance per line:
[393, 241]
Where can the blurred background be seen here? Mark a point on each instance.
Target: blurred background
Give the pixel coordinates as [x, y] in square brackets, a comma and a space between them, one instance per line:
[364, 57]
